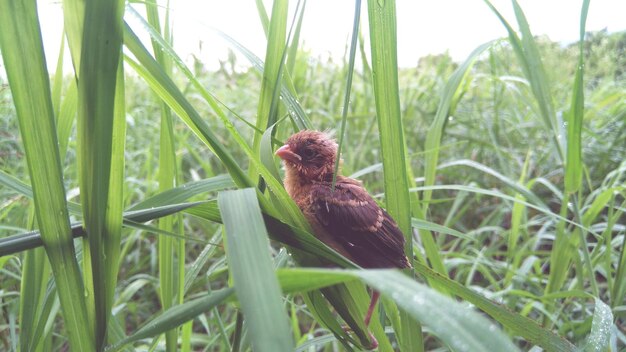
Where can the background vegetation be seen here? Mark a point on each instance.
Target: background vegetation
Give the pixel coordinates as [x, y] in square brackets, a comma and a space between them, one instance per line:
[502, 215]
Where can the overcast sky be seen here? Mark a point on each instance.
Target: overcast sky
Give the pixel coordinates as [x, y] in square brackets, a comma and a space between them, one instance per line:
[424, 26]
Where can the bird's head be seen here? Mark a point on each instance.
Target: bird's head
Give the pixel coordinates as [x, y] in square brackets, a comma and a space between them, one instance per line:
[311, 154]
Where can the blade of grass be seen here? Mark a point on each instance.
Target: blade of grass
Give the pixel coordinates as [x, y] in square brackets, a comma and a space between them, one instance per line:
[175, 316]
[112, 235]
[517, 186]
[35, 272]
[598, 339]
[166, 177]
[517, 213]
[573, 164]
[346, 96]
[382, 23]
[100, 56]
[23, 55]
[252, 271]
[271, 73]
[293, 47]
[184, 192]
[263, 15]
[66, 117]
[507, 197]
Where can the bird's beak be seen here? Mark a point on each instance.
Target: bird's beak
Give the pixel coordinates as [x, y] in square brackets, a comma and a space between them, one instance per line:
[287, 154]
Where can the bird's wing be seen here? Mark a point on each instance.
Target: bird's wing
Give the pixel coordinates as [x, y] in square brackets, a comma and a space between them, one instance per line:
[352, 217]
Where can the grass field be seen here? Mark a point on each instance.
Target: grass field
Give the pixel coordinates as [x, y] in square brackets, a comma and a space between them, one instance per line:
[505, 171]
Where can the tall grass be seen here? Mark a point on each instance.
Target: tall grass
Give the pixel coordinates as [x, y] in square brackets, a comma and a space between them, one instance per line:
[496, 169]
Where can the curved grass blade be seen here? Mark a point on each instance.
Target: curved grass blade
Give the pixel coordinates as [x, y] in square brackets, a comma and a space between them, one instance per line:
[252, 271]
[175, 316]
[516, 186]
[23, 55]
[431, 226]
[183, 192]
[507, 197]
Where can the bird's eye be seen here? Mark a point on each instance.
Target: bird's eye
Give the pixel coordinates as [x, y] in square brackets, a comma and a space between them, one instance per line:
[308, 153]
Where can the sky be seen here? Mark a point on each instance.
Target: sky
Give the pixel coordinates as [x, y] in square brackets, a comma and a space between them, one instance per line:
[424, 26]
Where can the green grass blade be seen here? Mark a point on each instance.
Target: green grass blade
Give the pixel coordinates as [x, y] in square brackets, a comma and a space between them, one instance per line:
[35, 272]
[293, 47]
[262, 15]
[66, 117]
[252, 271]
[100, 57]
[574, 164]
[507, 197]
[346, 96]
[184, 192]
[517, 213]
[115, 203]
[175, 316]
[169, 283]
[274, 61]
[431, 226]
[619, 286]
[23, 55]
[382, 23]
[517, 186]
[73, 19]
[57, 85]
[601, 326]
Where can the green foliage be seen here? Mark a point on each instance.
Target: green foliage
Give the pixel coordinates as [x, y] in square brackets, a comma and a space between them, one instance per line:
[505, 171]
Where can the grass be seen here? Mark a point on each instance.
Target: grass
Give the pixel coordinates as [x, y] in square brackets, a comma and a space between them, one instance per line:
[505, 171]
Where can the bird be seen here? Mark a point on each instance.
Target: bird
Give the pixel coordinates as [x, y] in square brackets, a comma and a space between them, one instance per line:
[346, 217]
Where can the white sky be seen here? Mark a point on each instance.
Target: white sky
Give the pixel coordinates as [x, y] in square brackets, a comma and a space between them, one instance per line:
[424, 27]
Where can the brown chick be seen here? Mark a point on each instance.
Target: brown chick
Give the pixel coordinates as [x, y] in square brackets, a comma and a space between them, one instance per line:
[346, 219]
